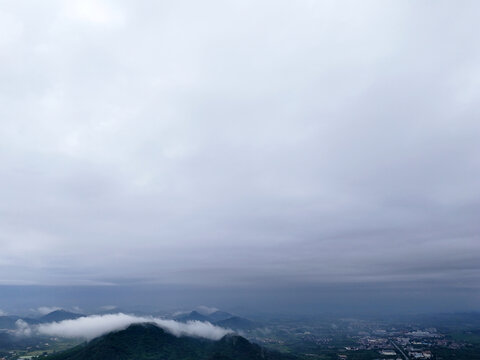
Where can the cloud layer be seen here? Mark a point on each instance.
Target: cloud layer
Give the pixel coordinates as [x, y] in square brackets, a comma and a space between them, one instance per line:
[89, 327]
[245, 144]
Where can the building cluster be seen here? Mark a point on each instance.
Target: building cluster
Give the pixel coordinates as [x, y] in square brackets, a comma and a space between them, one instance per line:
[401, 344]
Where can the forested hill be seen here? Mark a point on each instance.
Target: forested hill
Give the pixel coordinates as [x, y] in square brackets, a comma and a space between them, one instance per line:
[148, 341]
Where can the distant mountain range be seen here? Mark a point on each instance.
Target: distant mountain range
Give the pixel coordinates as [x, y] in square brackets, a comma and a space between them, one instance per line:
[220, 318]
[148, 341]
[59, 315]
[8, 322]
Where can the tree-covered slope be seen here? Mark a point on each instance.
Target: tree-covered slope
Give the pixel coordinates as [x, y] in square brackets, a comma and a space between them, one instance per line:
[147, 341]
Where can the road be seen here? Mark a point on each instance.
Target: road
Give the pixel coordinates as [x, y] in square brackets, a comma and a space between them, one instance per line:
[400, 350]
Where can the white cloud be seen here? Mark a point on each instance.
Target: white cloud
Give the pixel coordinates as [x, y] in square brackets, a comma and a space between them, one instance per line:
[22, 328]
[180, 312]
[94, 11]
[10, 29]
[89, 327]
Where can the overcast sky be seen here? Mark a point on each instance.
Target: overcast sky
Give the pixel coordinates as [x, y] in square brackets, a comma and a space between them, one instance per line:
[248, 144]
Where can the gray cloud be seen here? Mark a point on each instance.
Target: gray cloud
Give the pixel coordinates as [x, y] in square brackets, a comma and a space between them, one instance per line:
[239, 143]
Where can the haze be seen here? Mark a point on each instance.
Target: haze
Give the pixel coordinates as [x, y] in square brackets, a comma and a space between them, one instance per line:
[273, 155]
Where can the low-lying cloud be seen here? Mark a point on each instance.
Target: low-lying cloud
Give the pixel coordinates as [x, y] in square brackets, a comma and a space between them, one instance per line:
[23, 328]
[89, 327]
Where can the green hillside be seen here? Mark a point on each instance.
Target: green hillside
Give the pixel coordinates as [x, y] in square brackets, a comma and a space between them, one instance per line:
[149, 342]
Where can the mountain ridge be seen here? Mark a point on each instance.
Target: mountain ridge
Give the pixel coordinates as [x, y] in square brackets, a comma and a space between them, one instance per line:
[220, 318]
[59, 315]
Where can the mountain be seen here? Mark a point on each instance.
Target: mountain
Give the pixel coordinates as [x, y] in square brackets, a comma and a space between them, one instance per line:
[8, 322]
[59, 315]
[148, 341]
[192, 316]
[219, 316]
[237, 323]
[238, 348]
